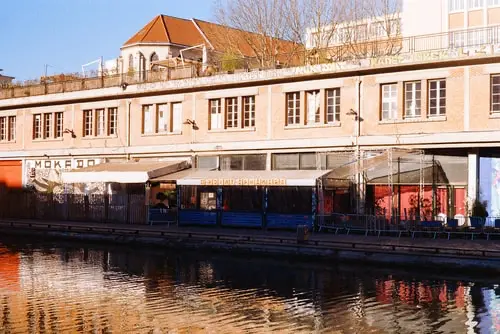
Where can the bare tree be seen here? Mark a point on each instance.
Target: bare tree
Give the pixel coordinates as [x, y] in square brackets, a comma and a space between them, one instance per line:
[317, 30]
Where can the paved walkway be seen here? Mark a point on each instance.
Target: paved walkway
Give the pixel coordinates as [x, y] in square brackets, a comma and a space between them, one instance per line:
[329, 240]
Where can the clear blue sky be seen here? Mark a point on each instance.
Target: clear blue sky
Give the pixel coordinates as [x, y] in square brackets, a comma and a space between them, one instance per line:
[68, 33]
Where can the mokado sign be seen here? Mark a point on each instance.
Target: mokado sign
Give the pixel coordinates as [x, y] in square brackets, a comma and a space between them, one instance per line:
[61, 164]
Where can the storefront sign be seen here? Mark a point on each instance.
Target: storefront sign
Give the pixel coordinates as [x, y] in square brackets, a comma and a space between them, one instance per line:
[61, 164]
[244, 182]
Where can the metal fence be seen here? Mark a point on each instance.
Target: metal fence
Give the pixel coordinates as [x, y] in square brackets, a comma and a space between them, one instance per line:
[127, 209]
[441, 226]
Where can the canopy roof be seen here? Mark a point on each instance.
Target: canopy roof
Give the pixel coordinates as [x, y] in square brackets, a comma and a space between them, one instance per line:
[124, 172]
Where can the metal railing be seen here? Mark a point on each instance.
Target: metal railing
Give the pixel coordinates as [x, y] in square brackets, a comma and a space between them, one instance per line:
[349, 51]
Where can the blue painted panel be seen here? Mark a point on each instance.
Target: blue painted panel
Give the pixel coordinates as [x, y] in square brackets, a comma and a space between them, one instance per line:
[432, 224]
[288, 221]
[242, 219]
[187, 217]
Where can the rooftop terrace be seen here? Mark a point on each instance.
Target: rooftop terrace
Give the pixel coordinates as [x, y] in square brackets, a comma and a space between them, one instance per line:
[361, 55]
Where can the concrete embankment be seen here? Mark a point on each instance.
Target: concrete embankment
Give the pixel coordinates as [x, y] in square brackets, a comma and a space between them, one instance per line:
[420, 252]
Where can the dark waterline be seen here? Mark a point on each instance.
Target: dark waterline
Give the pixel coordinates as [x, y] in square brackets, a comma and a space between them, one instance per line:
[63, 287]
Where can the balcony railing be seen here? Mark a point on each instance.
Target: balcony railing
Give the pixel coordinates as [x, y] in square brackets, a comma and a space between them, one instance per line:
[349, 51]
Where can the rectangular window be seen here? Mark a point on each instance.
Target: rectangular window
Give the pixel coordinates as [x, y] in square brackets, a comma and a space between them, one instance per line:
[378, 29]
[176, 117]
[147, 119]
[88, 123]
[457, 38]
[216, 119]
[495, 93]
[475, 4]
[100, 122]
[493, 2]
[412, 98]
[231, 112]
[47, 125]
[12, 128]
[456, 5]
[243, 162]
[58, 125]
[389, 101]
[312, 104]
[3, 128]
[162, 118]
[361, 32]
[437, 97]
[37, 126]
[333, 105]
[249, 111]
[112, 121]
[293, 108]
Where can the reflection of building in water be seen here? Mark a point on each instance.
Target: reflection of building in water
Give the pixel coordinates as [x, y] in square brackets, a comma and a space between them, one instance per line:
[9, 270]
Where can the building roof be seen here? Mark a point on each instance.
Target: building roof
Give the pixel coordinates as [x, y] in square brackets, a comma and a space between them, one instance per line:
[169, 30]
[173, 30]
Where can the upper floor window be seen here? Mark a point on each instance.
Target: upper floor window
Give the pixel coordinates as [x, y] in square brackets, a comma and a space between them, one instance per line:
[456, 5]
[389, 101]
[216, 117]
[147, 119]
[293, 108]
[169, 117]
[493, 2]
[249, 111]
[361, 32]
[474, 4]
[313, 107]
[130, 62]
[11, 135]
[231, 112]
[437, 97]
[176, 117]
[47, 125]
[412, 98]
[333, 105]
[495, 93]
[37, 126]
[8, 128]
[100, 122]
[58, 124]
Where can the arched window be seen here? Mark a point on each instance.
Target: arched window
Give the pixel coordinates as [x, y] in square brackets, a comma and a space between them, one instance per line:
[154, 57]
[142, 66]
[130, 62]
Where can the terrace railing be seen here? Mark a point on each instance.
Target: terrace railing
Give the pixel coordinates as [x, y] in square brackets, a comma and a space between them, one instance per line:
[348, 51]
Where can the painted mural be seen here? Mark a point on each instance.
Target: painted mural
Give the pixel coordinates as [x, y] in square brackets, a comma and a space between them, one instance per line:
[46, 176]
[489, 184]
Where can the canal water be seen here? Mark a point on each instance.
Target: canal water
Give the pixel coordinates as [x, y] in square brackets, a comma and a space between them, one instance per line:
[68, 288]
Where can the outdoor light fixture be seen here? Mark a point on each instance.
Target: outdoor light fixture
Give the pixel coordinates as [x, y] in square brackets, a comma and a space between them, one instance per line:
[192, 122]
[351, 112]
[70, 131]
[124, 85]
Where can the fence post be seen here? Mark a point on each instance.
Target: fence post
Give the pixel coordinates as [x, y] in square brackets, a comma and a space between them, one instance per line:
[86, 204]
[106, 207]
[127, 221]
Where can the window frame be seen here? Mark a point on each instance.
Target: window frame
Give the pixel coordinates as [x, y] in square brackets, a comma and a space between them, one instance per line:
[37, 126]
[112, 123]
[164, 109]
[456, 6]
[475, 4]
[392, 113]
[58, 124]
[231, 112]
[336, 99]
[11, 128]
[494, 107]
[413, 100]
[3, 128]
[100, 122]
[88, 123]
[173, 119]
[151, 115]
[438, 98]
[292, 112]
[248, 111]
[316, 97]
[215, 108]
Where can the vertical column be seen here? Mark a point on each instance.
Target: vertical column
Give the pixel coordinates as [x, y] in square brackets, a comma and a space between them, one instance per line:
[314, 205]
[269, 163]
[472, 178]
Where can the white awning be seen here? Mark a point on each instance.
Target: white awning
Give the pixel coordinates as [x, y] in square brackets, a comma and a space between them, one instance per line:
[283, 178]
[124, 172]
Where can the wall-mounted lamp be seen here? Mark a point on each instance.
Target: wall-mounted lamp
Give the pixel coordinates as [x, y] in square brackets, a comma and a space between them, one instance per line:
[70, 131]
[351, 112]
[124, 85]
[192, 122]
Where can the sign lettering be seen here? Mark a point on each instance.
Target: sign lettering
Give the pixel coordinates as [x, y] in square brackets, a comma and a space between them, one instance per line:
[244, 182]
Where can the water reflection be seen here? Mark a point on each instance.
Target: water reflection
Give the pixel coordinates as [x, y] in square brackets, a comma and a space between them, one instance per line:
[67, 289]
